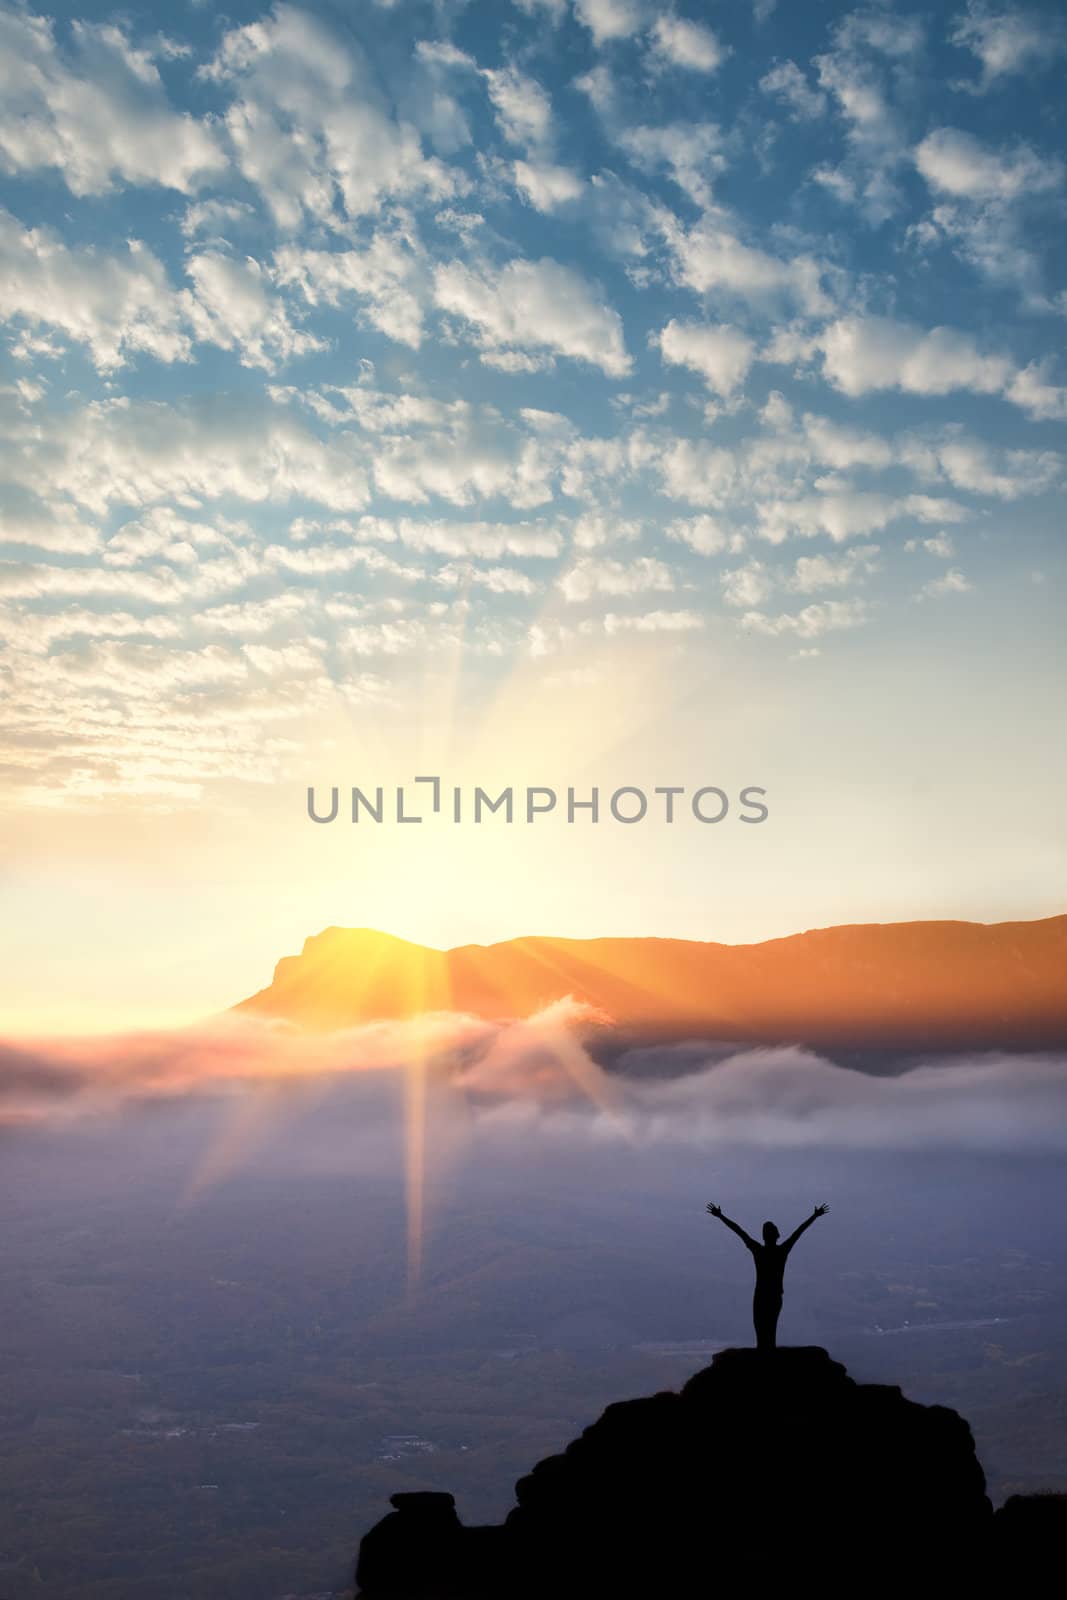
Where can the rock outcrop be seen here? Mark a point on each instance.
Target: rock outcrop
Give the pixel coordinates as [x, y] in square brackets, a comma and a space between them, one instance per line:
[767, 1468]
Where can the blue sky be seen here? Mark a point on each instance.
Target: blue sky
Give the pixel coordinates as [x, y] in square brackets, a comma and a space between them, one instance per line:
[658, 380]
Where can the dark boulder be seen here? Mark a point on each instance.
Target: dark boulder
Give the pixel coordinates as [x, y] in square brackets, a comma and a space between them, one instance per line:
[768, 1467]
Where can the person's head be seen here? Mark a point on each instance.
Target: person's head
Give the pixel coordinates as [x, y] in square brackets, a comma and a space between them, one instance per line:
[770, 1233]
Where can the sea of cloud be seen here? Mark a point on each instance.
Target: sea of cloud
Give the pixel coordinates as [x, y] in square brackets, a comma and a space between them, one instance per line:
[492, 1086]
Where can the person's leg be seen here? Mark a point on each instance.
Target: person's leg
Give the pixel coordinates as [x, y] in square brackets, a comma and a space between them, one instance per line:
[765, 1313]
[764, 1331]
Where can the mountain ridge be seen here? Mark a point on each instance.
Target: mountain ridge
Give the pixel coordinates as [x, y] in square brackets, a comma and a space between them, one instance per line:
[941, 984]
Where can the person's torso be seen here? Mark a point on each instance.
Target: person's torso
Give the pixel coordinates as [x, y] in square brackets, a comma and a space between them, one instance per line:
[770, 1267]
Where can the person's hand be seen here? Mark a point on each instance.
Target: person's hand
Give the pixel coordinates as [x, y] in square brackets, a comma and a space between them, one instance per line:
[820, 1211]
[715, 1211]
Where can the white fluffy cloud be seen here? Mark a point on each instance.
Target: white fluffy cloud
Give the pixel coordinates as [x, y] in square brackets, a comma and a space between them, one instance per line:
[387, 278]
[951, 582]
[608, 20]
[866, 72]
[960, 165]
[678, 42]
[119, 306]
[865, 353]
[443, 246]
[116, 452]
[652, 622]
[812, 573]
[747, 586]
[546, 186]
[531, 306]
[591, 576]
[710, 258]
[967, 463]
[861, 354]
[94, 110]
[787, 83]
[722, 355]
[311, 130]
[841, 513]
[822, 616]
[1006, 39]
[703, 534]
[115, 305]
[692, 154]
[522, 106]
[233, 305]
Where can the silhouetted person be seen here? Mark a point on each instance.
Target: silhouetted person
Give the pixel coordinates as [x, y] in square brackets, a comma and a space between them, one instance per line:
[770, 1258]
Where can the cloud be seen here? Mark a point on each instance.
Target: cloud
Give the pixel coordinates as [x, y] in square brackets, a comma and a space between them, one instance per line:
[143, 671]
[325, 560]
[119, 306]
[747, 586]
[599, 86]
[951, 582]
[594, 529]
[120, 452]
[812, 573]
[485, 540]
[248, 619]
[311, 130]
[532, 1085]
[498, 580]
[841, 513]
[95, 111]
[652, 622]
[690, 153]
[822, 616]
[555, 10]
[710, 258]
[387, 277]
[522, 106]
[861, 354]
[960, 165]
[984, 197]
[162, 532]
[970, 464]
[394, 638]
[608, 20]
[116, 305]
[27, 519]
[1030, 389]
[841, 447]
[701, 473]
[940, 544]
[702, 534]
[677, 42]
[722, 355]
[870, 62]
[790, 1097]
[545, 186]
[1005, 41]
[789, 85]
[233, 307]
[591, 576]
[538, 305]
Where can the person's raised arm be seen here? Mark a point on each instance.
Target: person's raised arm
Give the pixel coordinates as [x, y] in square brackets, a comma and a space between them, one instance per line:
[735, 1227]
[820, 1211]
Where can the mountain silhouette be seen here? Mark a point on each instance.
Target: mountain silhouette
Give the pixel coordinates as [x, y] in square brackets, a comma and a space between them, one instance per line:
[767, 1469]
[908, 985]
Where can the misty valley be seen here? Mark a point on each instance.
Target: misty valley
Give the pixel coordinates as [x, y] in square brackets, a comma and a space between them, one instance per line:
[212, 1387]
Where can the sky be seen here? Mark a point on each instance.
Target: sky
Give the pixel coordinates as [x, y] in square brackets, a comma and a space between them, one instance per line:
[536, 393]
